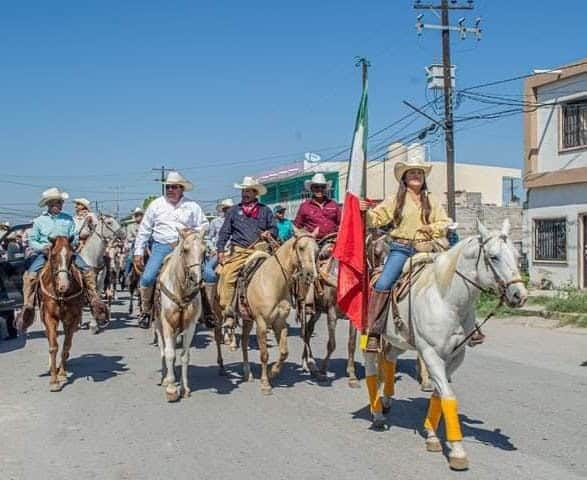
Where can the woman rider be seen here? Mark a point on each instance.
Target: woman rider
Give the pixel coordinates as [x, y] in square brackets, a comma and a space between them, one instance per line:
[416, 217]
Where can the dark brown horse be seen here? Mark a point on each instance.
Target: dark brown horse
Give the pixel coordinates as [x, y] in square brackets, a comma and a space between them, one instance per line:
[61, 299]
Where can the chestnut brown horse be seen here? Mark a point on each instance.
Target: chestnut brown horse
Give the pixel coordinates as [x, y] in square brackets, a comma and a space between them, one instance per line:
[61, 299]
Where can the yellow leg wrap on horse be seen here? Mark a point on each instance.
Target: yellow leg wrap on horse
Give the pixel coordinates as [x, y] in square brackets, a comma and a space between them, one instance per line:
[433, 415]
[373, 388]
[450, 410]
[363, 341]
[388, 369]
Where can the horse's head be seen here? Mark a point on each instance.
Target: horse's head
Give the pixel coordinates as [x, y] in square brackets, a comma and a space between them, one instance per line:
[192, 250]
[108, 228]
[306, 252]
[497, 265]
[60, 260]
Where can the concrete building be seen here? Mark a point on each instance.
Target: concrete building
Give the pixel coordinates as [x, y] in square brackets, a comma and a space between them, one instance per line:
[555, 176]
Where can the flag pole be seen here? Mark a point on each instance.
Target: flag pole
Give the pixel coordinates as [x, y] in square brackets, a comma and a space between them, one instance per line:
[365, 64]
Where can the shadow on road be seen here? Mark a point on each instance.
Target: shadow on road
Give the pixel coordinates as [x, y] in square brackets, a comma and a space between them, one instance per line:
[13, 344]
[94, 366]
[409, 414]
[584, 364]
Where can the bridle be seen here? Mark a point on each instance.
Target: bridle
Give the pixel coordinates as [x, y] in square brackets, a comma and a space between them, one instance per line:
[298, 265]
[502, 285]
[60, 299]
[103, 225]
[192, 289]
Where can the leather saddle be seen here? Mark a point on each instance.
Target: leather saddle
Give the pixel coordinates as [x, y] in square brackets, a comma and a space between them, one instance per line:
[240, 301]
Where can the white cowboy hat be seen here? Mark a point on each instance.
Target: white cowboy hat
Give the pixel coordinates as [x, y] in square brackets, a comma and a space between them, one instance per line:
[52, 193]
[226, 203]
[412, 164]
[250, 182]
[176, 178]
[82, 201]
[317, 179]
[138, 210]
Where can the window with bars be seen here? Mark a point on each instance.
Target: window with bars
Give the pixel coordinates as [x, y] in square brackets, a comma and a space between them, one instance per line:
[574, 124]
[550, 239]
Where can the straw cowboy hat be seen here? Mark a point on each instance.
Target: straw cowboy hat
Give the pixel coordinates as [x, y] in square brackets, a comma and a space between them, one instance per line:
[138, 210]
[250, 182]
[317, 179]
[52, 193]
[226, 203]
[176, 178]
[412, 164]
[82, 201]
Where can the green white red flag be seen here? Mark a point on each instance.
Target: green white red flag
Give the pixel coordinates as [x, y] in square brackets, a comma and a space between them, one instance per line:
[350, 245]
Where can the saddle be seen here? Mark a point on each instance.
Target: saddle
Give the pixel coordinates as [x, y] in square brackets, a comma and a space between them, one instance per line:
[240, 301]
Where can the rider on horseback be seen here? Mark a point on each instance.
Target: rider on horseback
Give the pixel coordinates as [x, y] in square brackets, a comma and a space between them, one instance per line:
[163, 220]
[51, 224]
[244, 225]
[131, 234]
[83, 217]
[322, 213]
[417, 218]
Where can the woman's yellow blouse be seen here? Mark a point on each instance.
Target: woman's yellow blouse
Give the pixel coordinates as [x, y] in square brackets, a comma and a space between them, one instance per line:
[382, 215]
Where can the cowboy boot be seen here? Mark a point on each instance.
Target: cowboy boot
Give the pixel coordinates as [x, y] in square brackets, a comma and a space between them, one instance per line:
[99, 309]
[147, 306]
[376, 318]
[26, 317]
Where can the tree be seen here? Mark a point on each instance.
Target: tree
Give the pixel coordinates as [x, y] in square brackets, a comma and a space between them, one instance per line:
[147, 201]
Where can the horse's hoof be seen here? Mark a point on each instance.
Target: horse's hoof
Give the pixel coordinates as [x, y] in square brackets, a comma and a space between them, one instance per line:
[165, 382]
[62, 378]
[233, 348]
[187, 393]
[321, 377]
[354, 383]
[172, 395]
[55, 387]
[378, 424]
[458, 463]
[94, 329]
[266, 390]
[427, 387]
[433, 445]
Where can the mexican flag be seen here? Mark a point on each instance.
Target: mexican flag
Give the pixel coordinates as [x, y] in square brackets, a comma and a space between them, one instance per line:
[350, 245]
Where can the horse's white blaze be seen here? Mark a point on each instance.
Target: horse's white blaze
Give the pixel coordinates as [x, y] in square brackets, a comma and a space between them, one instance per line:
[63, 275]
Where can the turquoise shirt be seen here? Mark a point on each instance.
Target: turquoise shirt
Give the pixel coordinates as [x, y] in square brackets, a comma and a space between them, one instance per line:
[284, 229]
[49, 226]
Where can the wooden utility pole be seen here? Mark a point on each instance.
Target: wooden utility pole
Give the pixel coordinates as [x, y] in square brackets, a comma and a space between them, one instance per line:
[163, 169]
[445, 28]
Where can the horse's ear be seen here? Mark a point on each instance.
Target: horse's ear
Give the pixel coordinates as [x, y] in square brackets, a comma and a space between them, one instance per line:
[483, 232]
[298, 231]
[505, 228]
[315, 232]
[183, 232]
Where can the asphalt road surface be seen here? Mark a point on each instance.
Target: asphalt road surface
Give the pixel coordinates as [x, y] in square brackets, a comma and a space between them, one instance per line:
[522, 395]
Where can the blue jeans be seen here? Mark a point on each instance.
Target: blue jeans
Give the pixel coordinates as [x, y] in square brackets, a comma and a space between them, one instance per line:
[398, 255]
[208, 273]
[128, 264]
[38, 262]
[158, 253]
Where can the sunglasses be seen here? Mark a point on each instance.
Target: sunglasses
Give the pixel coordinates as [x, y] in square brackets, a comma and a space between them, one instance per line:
[318, 187]
[172, 187]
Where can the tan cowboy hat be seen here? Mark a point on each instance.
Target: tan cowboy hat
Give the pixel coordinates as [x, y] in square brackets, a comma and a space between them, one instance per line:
[82, 201]
[138, 210]
[317, 179]
[52, 193]
[412, 164]
[250, 182]
[226, 203]
[176, 178]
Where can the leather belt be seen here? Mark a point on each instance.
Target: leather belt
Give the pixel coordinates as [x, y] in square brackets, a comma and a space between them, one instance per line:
[403, 241]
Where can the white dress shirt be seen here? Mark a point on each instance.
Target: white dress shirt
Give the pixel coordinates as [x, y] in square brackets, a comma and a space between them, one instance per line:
[163, 220]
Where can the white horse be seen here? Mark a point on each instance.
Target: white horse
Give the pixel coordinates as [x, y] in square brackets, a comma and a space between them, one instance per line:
[438, 319]
[92, 251]
[177, 307]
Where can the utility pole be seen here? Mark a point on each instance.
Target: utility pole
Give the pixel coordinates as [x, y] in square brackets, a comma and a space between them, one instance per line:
[445, 28]
[163, 169]
[117, 198]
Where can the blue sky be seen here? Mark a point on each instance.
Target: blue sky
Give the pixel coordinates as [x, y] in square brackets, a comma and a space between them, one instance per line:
[95, 94]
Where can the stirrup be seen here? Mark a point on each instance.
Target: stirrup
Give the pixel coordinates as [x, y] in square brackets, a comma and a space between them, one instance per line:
[373, 343]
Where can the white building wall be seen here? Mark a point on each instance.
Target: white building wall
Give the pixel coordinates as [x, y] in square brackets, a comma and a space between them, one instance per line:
[550, 156]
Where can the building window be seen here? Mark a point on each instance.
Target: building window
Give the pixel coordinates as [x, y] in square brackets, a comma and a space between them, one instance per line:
[550, 239]
[574, 124]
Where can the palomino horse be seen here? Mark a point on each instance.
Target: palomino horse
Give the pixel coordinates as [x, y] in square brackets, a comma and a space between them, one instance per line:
[178, 305]
[268, 299]
[439, 318]
[92, 251]
[61, 299]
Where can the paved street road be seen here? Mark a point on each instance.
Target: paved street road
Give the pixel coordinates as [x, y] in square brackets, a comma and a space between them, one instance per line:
[523, 399]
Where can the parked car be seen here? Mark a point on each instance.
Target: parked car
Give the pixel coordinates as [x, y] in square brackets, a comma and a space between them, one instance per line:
[12, 267]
